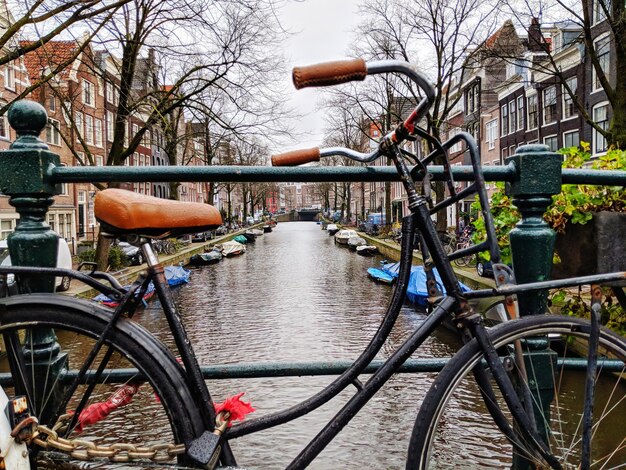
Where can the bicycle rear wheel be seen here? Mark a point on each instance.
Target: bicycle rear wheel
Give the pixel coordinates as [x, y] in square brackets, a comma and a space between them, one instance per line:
[161, 411]
[453, 422]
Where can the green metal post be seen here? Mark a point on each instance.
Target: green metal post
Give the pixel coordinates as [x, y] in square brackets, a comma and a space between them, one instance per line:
[532, 246]
[22, 177]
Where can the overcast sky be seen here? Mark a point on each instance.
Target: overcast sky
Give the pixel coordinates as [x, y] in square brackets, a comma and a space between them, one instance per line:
[322, 32]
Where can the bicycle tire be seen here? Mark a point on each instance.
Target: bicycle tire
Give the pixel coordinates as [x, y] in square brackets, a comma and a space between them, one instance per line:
[170, 418]
[470, 427]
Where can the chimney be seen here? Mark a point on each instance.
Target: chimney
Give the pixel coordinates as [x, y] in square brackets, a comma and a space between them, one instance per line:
[536, 42]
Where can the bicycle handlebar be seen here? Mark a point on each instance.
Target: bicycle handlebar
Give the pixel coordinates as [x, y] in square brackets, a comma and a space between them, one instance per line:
[334, 73]
[329, 73]
[296, 157]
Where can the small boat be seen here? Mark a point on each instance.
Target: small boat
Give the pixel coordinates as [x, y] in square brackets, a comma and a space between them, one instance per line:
[241, 239]
[332, 229]
[209, 257]
[354, 242]
[232, 248]
[342, 236]
[176, 275]
[267, 228]
[251, 238]
[366, 250]
[255, 231]
[380, 275]
[417, 292]
[104, 300]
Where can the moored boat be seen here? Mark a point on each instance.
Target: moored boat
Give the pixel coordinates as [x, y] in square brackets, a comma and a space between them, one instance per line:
[267, 228]
[176, 275]
[366, 250]
[379, 275]
[241, 239]
[356, 241]
[104, 300]
[417, 292]
[342, 236]
[232, 248]
[332, 229]
[255, 231]
[251, 238]
[209, 257]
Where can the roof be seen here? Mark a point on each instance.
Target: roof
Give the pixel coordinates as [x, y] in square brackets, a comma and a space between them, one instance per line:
[505, 30]
[48, 56]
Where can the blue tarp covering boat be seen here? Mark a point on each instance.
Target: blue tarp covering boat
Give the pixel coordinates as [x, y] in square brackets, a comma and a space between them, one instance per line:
[103, 299]
[379, 275]
[416, 291]
[176, 275]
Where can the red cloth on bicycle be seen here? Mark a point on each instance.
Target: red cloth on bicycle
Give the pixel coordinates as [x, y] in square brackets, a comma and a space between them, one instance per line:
[237, 408]
[98, 411]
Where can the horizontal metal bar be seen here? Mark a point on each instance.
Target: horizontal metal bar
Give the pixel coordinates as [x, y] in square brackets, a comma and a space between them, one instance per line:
[235, 174]
[585, 176]
[299, 369]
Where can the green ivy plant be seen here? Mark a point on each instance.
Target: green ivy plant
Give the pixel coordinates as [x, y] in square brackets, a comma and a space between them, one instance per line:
[575, 204]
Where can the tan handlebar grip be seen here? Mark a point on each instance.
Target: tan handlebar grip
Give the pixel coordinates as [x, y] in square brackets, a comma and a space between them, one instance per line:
[329, 73]
[296, 157]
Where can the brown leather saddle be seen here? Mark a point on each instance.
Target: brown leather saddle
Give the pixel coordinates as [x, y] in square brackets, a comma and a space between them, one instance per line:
[122, 212]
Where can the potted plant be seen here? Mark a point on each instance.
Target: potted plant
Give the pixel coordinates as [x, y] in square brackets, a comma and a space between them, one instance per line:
[590, 220]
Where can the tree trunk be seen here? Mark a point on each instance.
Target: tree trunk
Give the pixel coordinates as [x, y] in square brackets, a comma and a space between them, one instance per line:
[102, 252]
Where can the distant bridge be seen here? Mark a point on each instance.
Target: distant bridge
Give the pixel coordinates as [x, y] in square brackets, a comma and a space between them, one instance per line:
[308, 214]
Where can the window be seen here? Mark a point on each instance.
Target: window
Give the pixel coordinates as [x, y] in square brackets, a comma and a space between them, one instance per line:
[99, 160]
[552, 142]
[6, 228]
[599, 7]
[603, 51]
[601, 118]
[512, 116]
[569, 109]
[549, 105]
[504, 118]
[110, 123]
[491, 133]
[78, 122]
[4, 127]
[65, 187]
[98, 131]
[505, 153]
[52, 103]
[88, 93]
[89, 129]
[9, 77]
[457, 147]
[520, 113]
[531, 105]
[571, 139]
[52, 132]
[472, 99]
[110, 92]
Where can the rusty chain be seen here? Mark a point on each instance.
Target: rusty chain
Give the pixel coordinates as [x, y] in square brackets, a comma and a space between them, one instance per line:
[82, 449]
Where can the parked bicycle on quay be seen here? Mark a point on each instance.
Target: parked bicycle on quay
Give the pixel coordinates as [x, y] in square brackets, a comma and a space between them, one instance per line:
[544, 405]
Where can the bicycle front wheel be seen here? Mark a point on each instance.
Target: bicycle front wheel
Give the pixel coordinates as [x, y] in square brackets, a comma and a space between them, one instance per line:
[140, 400]
[455, 429]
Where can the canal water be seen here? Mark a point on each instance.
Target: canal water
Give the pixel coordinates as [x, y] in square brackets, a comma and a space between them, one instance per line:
[296, 296]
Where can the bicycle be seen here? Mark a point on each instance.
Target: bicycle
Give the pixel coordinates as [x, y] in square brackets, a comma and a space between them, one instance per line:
[491, 366]
[462, 243]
